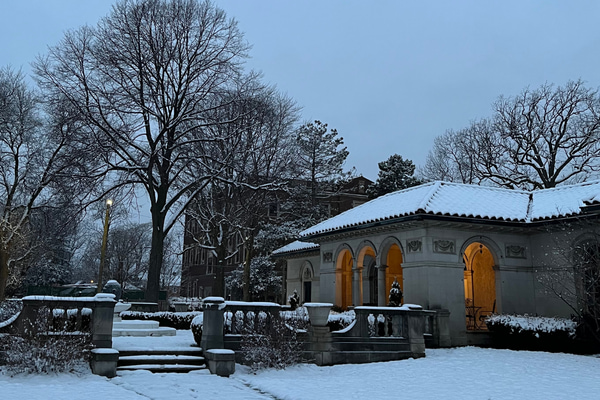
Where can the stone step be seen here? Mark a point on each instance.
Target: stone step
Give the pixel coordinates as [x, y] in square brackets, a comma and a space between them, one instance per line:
[175, 351]
[160, 331]
[135, 324]
[161, 359]
[180, 368]
[175, 359]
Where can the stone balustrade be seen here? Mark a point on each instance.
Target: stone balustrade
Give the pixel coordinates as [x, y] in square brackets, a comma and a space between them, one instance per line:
[67, 315]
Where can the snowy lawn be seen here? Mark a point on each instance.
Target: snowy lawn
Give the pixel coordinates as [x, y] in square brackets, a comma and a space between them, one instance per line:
[444, 374]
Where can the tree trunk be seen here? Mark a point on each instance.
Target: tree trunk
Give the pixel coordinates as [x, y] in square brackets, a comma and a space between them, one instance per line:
[246, 277]
[3, 274]
[156, 260]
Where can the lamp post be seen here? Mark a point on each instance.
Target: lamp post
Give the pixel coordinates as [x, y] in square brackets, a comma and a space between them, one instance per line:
[103, 248]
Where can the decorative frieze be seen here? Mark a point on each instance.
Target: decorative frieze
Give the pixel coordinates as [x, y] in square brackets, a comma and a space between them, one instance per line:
[515, 251]
[414, 246]
[444, 246]
[327, 257]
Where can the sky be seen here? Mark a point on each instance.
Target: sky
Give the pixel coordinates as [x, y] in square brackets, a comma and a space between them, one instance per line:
[389, 75]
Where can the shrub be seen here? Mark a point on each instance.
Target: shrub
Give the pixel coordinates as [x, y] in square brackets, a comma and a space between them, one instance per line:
[177, 320]
[43, 349]
[275, 345]
[525, 332]
[196, 326]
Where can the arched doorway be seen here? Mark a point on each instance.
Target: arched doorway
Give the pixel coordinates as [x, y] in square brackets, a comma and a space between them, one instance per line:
[343, 281]
[479, 285]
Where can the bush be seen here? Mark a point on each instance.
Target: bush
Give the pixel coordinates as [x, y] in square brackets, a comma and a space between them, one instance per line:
[273, 345]
[43, 349]
[177, 320]
[196, 326]
[525, 332]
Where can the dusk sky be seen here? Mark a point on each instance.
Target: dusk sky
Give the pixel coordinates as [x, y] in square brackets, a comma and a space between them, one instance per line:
[389, 75]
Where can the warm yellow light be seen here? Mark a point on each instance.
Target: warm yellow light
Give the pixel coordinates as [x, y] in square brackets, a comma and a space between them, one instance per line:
[92, 281]
[109, 202]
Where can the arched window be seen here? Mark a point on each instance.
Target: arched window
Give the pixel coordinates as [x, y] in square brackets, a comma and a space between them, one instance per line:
[307, 277]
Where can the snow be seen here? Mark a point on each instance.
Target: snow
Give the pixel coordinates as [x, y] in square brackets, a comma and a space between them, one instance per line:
[99, 297]
[535, 324]
[308, 305]
[461, 200]
[296, 246]
[457, 373]
[105, 351]
[220, 351]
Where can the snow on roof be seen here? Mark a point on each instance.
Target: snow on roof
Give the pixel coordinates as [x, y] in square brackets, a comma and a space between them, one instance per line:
[461, 200]
[296, 246]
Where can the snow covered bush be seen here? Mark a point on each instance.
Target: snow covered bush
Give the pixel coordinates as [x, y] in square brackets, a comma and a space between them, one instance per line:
[275, 346]
[177, 320]
[530, 324]
[525, 332]
[196, 327]
[43, 349]
[395, 298]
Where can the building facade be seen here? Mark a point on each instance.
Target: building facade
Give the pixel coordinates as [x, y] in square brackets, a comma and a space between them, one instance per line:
[472, 250]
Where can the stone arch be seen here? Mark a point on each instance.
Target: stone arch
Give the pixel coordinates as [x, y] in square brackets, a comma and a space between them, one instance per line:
[307, 274]
[390, 259]
[344, 263]
[480, 256]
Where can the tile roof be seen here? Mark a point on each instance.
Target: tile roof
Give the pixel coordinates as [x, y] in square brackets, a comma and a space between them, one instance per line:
[461, 200]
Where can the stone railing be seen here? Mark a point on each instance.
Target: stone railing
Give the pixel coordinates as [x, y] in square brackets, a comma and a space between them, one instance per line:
[67, 315]
[377, 334]
[243, 316]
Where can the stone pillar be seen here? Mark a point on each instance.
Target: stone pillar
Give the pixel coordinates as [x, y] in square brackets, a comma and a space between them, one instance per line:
[357, 299]
[416, 328]
[441, 328]
[381, 295]
[212, 328]
[102, 322]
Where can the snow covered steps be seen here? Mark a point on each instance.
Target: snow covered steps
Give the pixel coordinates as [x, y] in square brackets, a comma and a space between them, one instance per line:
[141, 328]
[161, 360]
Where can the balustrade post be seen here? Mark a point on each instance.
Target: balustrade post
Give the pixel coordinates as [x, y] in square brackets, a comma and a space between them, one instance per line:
[102, 321]
[416, 327]
[212, 329]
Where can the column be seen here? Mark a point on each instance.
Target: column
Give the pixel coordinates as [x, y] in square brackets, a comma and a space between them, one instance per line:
[381, 295]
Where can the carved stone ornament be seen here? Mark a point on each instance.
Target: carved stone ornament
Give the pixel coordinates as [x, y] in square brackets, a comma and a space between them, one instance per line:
[515, 251]
[327, 257]
[444, 246]
[414, 246]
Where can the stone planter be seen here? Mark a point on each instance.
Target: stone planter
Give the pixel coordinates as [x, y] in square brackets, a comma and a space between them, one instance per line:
[318, 313]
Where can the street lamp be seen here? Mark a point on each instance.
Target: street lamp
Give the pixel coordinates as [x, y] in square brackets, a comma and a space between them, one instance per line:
[109, 203]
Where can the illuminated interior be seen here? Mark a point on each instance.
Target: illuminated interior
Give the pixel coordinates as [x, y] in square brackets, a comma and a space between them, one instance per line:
[394, 268]
[343, 281]
[366, 258]
[480, 285]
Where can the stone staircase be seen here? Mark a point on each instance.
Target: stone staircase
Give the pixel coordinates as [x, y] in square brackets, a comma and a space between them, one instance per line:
[161, 360]
[140, 328]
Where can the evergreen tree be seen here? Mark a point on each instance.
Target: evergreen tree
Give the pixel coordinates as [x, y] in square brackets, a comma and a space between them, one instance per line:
[395, 298]
[395, 173]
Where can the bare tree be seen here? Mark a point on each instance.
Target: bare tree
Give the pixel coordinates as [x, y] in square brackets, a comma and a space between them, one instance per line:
[538, 139]
[230, 209]
[574, 276]
[40, 152]
[145, 78]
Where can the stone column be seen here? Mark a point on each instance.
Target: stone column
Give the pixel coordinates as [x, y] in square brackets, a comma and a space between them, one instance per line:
[102, 322]
[416, 328]
[212, 328]
[381, 295]
[357, 286]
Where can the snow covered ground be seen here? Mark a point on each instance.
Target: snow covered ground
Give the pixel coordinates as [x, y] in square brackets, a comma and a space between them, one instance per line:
[460, 373]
